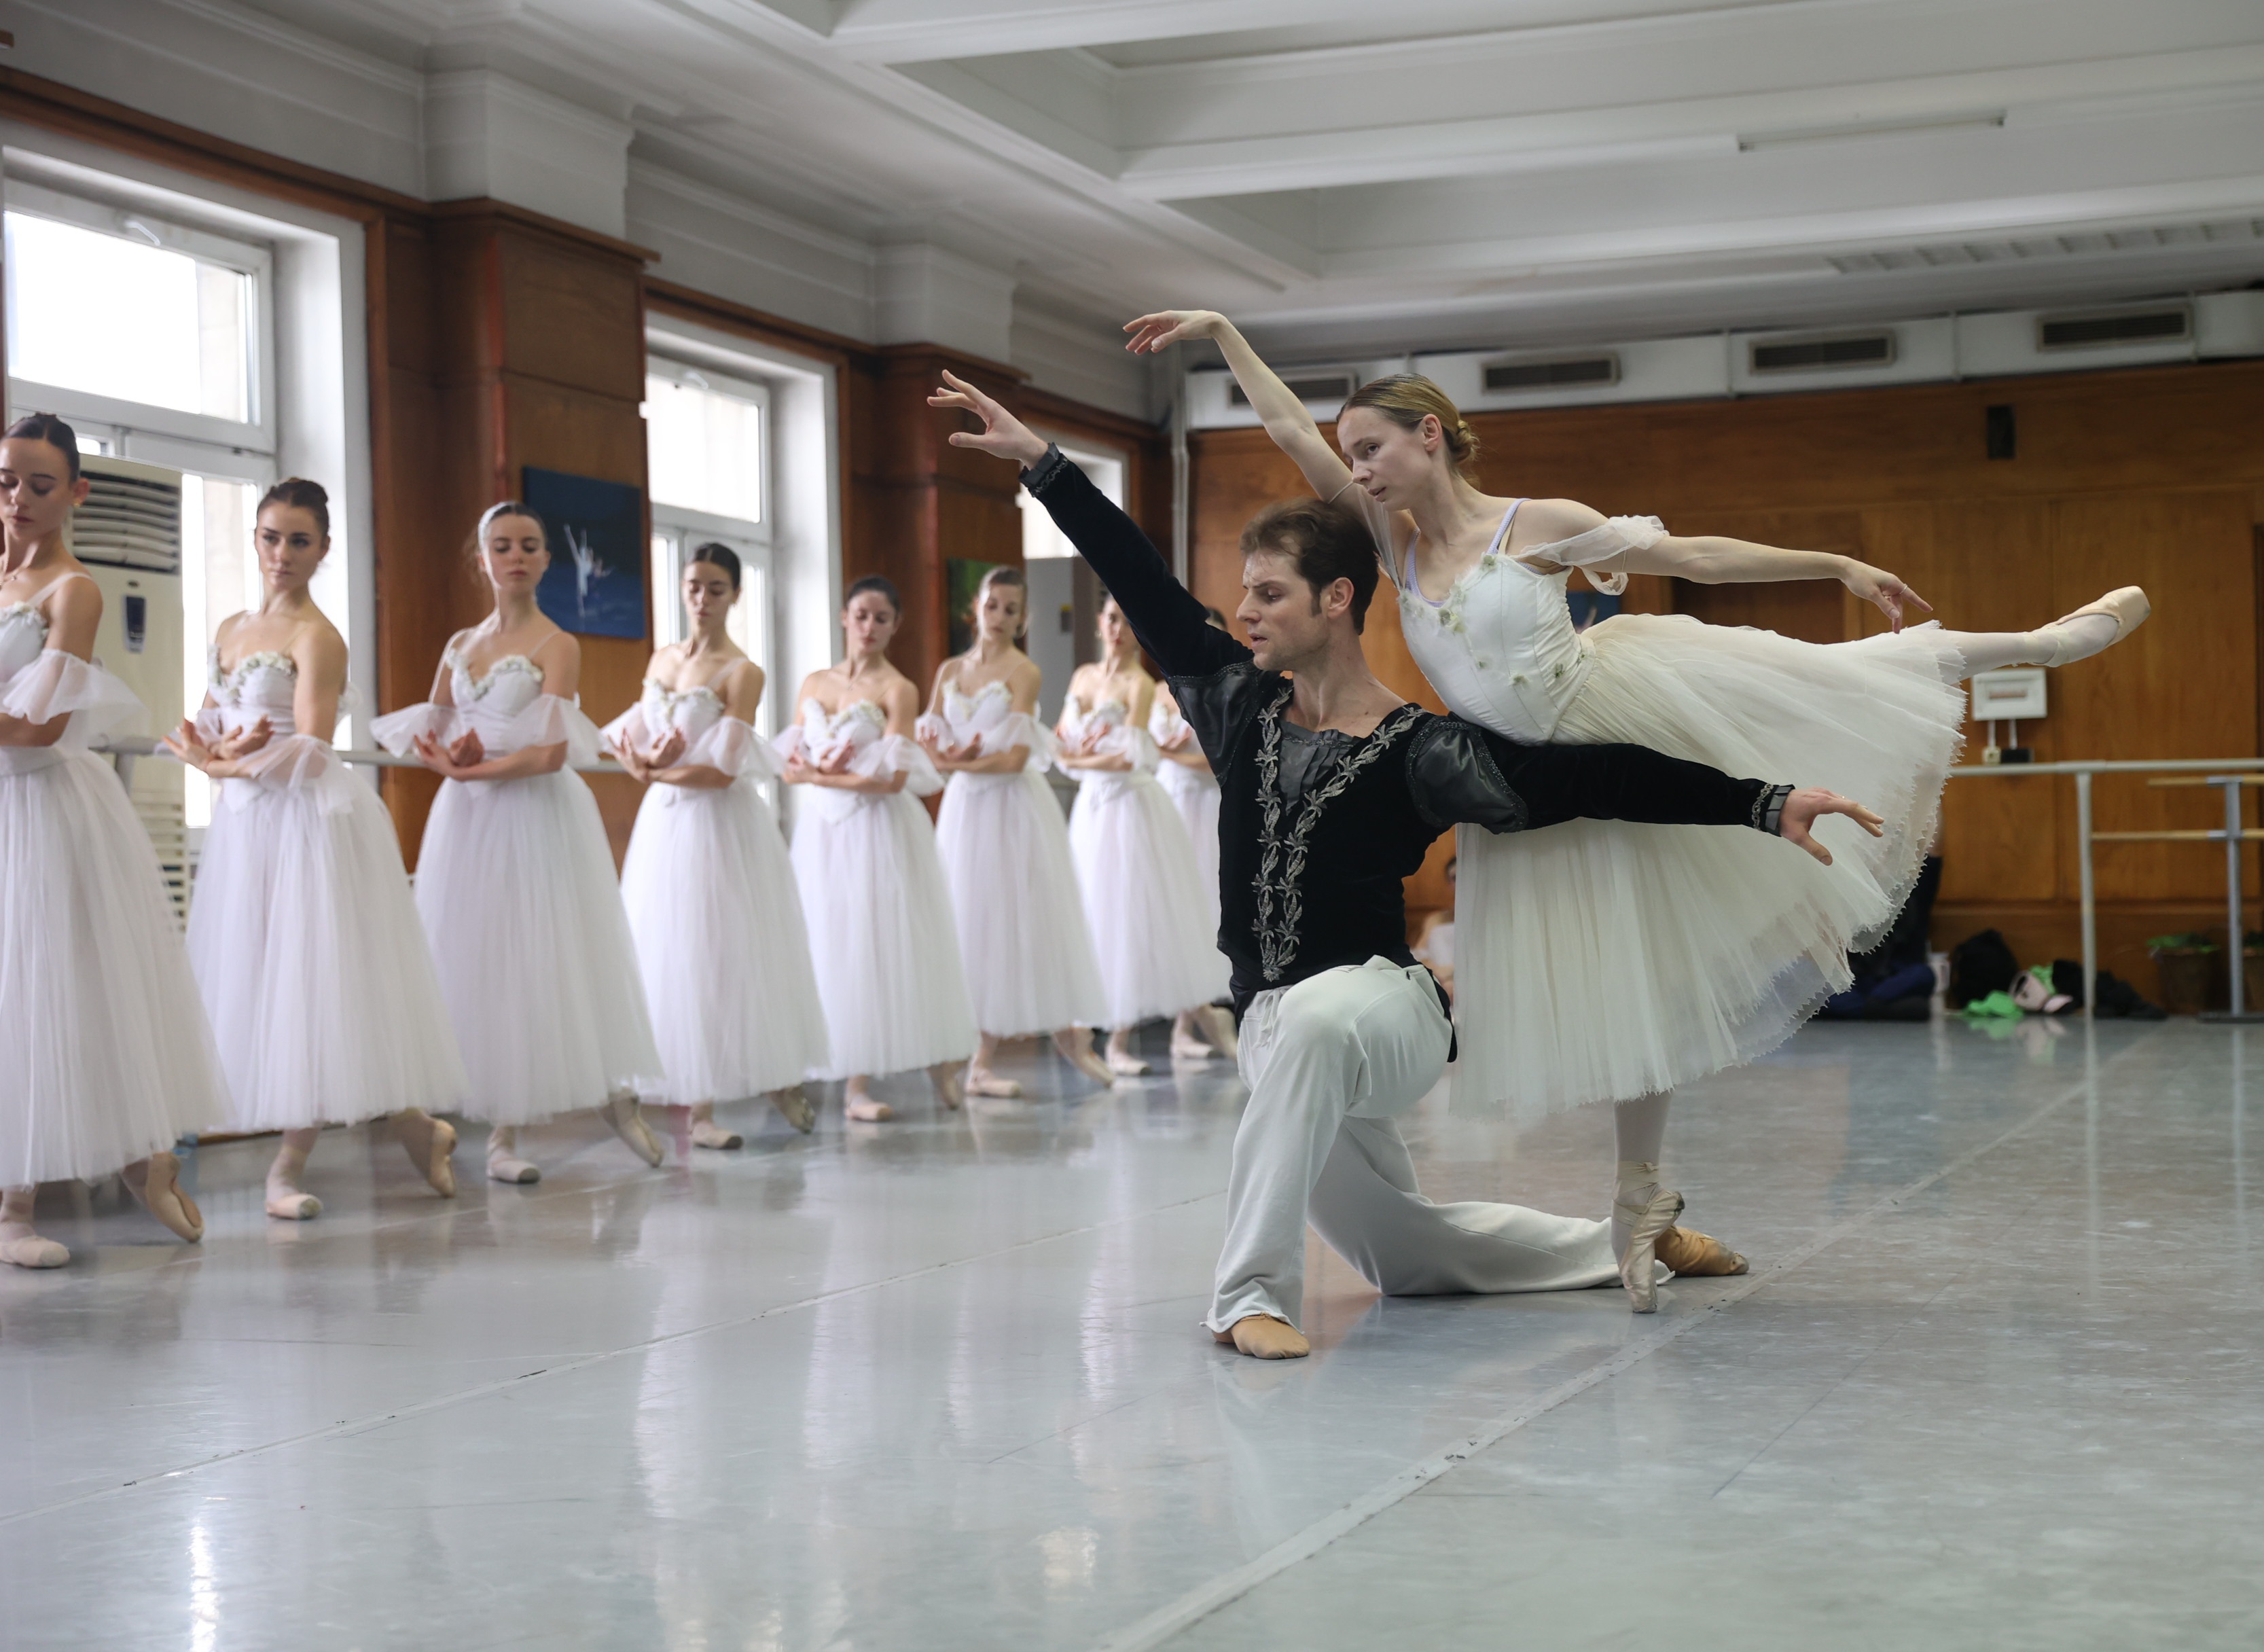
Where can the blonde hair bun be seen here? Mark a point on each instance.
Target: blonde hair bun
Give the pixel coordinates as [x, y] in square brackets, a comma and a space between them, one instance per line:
[1409, 398]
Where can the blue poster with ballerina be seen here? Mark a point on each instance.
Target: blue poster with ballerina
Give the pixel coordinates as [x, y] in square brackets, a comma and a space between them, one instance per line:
[595, 585]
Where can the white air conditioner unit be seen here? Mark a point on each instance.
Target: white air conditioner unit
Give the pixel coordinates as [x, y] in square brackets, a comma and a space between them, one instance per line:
[128, 533]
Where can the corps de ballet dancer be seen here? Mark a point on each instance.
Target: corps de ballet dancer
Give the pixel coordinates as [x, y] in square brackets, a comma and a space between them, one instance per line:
[1185, 776]
[1023, 941]
[1151, 923]
[1608, 960]
[1331, 790]
[515, 880]
[710, 893]
[881, 929]
[303, 933]
[107, 1061]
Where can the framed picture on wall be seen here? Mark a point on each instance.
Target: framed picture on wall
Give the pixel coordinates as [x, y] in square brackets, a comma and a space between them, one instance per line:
[596, 582]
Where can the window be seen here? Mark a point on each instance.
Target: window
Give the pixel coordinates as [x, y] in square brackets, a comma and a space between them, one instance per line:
[707, 444]
[152, 338]
[1041, 539]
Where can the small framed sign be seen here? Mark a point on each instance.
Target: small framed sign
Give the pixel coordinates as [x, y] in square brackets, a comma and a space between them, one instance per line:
[596, 582]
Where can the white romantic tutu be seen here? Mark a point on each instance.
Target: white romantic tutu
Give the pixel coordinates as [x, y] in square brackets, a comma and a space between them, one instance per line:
[516, 886]
[1022, 934]
[718, 922]
[1151, 927]
[1602, 961]
[107, 1057]
[1195, 796]
[304, 936]
[881, 930]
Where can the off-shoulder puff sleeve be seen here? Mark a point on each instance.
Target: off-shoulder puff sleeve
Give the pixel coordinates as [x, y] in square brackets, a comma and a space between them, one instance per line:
[59, 684]
[399, 731]
[893, 754]
[1608, 541]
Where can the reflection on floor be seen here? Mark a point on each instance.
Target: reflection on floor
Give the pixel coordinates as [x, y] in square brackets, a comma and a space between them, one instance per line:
[938, 1385]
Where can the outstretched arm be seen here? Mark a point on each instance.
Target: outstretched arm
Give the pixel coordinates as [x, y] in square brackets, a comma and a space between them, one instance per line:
[1170, 623]
[1292, 427]
[1461, 773]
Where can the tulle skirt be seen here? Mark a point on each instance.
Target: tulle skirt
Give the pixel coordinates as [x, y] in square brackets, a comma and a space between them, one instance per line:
[106, 1058]
[1022, 934]
[1195, 796]
[1151, 928]
[515, 884]
[721, 945]
[881, 935]
[1600, 960]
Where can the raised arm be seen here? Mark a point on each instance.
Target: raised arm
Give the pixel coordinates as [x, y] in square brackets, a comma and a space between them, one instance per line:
[1563, 532]
[1460, 772]
[1286, 420]
[1170, 623]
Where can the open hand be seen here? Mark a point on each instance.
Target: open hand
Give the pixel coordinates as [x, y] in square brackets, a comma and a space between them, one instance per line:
[1877, 586]
[1804, 807]
[1153, 334]
[1002, 435]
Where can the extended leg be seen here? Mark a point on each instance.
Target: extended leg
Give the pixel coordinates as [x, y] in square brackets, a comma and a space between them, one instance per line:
[2089, 630]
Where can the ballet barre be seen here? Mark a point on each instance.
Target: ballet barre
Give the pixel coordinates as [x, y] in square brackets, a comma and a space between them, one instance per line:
[2232, 774]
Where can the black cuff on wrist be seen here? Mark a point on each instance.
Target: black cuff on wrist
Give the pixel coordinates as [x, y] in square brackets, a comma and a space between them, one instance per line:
[1769, 810]
[1046, 471]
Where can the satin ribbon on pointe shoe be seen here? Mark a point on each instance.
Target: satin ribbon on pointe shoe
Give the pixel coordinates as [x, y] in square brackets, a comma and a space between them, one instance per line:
[1645, 1222]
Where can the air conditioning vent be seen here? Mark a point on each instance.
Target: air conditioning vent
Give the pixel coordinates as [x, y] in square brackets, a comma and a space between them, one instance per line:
[1321, 389]
[132, 517]
[1823, 352]
[1553, 373]
[2105, 328]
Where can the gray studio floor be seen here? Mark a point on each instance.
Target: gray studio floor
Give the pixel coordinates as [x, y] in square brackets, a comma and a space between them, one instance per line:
[1994, 1383]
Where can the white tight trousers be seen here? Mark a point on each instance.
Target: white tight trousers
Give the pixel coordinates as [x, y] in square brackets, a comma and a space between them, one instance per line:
[1330, 1063]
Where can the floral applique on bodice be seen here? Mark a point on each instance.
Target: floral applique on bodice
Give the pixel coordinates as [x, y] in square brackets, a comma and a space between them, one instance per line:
[691, 712]
[974, 716]
[261, 684]
[506, 689]
[854, 727]
[23, 637]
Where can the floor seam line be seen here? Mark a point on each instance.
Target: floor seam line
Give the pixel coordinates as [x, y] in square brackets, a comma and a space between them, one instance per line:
[348, 1429]
[1197, 1604]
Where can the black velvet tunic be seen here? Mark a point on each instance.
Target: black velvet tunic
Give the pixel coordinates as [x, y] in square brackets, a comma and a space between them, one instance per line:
[1309, 885]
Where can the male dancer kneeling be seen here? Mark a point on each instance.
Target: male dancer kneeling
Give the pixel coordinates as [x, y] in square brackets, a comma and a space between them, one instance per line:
[1332, 787]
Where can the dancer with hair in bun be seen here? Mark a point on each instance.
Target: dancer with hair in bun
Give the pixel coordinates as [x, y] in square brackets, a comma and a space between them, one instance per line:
[1151, 921]
[710, 893]
[1022, 935]
[881, 930]
[1612, 960]
[106, 1060]
[1184, 772]
[515, 882]
[303, 933]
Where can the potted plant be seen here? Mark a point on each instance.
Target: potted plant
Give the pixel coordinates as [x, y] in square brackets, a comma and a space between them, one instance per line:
[2185, 963]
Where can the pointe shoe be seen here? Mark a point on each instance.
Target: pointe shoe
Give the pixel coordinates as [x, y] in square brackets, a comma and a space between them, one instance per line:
[1218, 1023]
[1262, 1336]
[1646, 1221]
[867, 1111]
[981, 1081]
[793, 1105]
[705, 1132]
[627, 1120]
[29, 1251]
[1128, 1064]
[2127, 607]
[286, 1203]
[951, 1087]
[503, 1164]
[1079, 1054]
[429, 1142]
[162, 1196]
[1697, 1255]
[1191, 1049]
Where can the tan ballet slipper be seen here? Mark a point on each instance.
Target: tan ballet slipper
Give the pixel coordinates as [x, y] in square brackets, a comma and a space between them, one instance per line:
[429, 1142]
[1649, 1211]
[793, 1105]
[1217, 1023]
[1262, 1336]
[20, 1246]
[949, 1080]
[1698, 1256]
[705, 1132]
[1075, 1045]
[159, 1188]
[981, 1081]
[2129, 608]
[627, 1117]
[503, 1164]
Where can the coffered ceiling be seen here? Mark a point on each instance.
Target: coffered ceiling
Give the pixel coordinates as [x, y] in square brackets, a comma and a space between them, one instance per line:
[1433, 173]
